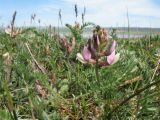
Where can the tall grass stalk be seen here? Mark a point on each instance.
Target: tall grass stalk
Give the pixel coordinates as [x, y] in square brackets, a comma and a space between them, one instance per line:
[128, 24]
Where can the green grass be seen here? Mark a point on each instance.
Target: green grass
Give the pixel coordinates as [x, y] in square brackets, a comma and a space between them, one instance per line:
[70, 87]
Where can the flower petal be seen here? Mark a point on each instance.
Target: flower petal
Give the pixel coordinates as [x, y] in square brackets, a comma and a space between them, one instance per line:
[80, 58]
[117, 56]
[111, 57]
[97, 40]
[8, 31]
[86, 53]
[113, 47]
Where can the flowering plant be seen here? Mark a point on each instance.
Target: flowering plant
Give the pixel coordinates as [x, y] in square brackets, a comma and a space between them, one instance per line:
[12, 31]
[99, 50]
[68, 46]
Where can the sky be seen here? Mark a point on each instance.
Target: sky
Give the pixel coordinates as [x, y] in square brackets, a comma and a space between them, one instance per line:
[107, 13]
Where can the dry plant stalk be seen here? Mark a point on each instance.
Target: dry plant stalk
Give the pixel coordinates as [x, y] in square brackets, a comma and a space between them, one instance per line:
[129, 82]
[13, 20]
[47, 50]
[83, 14]
[7, 61]
[41, 68]
[76, 10]
[11, 30]
[60, 16]
[33, 16]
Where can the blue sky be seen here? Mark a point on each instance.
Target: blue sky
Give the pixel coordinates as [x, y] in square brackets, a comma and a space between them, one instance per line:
[108, 13]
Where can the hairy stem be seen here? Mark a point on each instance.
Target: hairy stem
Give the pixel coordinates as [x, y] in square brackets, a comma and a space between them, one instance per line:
[97, 73]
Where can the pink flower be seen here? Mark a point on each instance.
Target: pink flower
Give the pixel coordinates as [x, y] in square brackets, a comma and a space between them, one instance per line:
[111, 56]
[86, 53]
[112, 47]
[96, 49]
[86, 56]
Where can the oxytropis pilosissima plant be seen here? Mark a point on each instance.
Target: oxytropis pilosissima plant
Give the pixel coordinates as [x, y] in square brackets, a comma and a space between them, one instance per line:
[99, 49]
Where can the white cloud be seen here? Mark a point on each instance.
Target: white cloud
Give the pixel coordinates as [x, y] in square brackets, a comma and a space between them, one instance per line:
[142, 13]
[114, 12]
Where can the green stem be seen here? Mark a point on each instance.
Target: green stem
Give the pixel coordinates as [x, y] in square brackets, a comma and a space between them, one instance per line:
[15, 115]
[97, 73]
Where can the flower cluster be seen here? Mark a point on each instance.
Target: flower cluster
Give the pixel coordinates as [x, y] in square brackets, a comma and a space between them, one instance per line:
[67, 45]
[12, 31]
[99, 49]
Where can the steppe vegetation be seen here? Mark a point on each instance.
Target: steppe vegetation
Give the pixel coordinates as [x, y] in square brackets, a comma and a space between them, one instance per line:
[46, 76]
